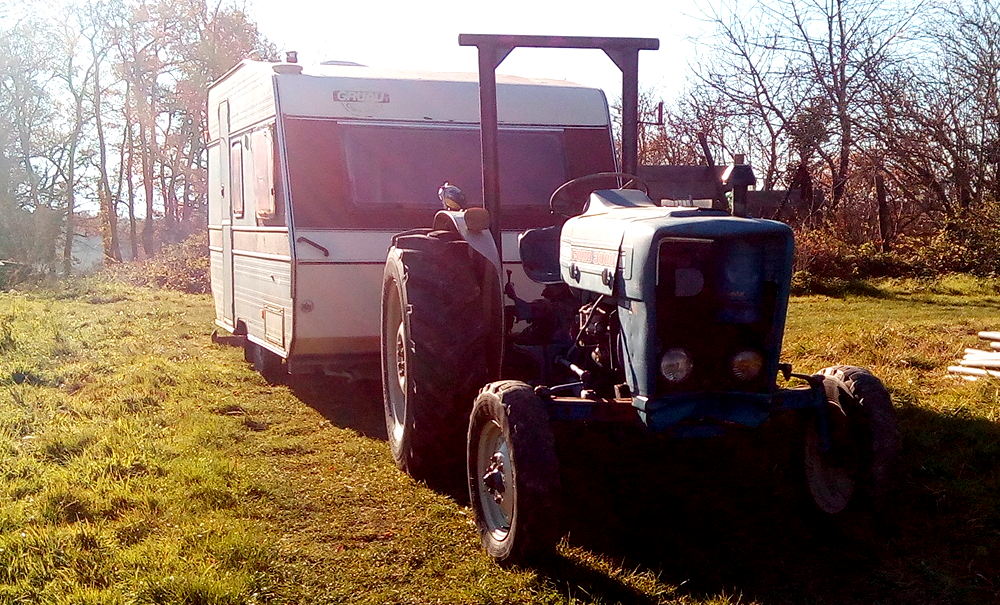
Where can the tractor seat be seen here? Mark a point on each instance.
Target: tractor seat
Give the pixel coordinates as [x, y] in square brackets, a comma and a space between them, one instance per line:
[539, 250]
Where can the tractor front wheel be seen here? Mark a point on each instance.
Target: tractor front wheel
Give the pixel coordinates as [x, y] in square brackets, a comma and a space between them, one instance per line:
[858, 469]
[513, 473]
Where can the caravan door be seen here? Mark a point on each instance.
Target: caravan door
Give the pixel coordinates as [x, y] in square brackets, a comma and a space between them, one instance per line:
[228, 194]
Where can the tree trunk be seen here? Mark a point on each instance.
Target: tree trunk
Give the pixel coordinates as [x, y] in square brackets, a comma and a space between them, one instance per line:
[187, 196]
[883, 212]
[169, 203]
[8, 208]
[67, 260]
[125, 170]
[109, 210]
[146, 143]
[132, 227]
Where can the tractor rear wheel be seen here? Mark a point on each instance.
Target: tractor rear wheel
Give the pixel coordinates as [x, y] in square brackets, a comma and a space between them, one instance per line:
[513, 473]
[441, 324]
[859, 470]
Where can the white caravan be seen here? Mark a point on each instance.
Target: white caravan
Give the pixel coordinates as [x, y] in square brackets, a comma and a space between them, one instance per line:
[312, 169]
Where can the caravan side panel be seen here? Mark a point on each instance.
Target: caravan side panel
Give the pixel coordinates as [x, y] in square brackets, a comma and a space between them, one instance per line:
[251, 256]
[215, 232]
[250, 91]
[263, 296]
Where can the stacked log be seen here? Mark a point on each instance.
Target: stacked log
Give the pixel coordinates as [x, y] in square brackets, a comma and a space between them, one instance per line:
[979, 363]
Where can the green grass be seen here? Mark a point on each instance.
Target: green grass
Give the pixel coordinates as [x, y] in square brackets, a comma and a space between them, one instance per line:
[140, 463]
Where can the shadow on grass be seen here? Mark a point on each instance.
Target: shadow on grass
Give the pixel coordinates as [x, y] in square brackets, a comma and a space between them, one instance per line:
[957, 305]
[575, 580]
[729, 516]
[355, 405]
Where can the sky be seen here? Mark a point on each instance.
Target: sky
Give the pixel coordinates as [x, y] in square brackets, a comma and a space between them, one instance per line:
[423, 35]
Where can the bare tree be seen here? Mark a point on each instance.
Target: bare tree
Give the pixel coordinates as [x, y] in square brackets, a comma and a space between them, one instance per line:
[103, 98]
[932, 128]
[799, 70]
[27, 135]
[97, 22]
[76, 72]
[964, 86]
[140, 45]
[747, 74]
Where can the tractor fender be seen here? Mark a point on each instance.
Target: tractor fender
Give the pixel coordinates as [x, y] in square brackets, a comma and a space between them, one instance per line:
[473, 225]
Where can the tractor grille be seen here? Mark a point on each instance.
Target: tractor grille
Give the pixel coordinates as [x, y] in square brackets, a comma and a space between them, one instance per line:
[714, 299]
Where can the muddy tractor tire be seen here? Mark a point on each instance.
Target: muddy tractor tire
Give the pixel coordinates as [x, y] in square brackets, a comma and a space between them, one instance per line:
[859, 472]
[441, 341]
[513, 474]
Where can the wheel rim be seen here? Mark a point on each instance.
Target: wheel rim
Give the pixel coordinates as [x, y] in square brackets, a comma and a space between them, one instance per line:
[831, 483]
[495, 483]
[395, 363]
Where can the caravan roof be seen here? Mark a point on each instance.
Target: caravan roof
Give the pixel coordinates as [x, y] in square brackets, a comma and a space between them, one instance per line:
[344, 91]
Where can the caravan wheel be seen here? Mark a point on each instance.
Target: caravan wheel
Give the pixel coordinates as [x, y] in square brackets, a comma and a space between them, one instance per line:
[270, 365]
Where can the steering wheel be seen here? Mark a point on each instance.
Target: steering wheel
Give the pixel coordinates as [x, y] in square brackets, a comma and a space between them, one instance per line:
[569, 198]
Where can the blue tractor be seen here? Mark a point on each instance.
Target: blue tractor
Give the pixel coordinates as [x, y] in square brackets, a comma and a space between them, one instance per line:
[664, 318]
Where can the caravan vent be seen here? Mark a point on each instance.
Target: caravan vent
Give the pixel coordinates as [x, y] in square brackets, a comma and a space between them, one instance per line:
[287, 68]
[342, 63]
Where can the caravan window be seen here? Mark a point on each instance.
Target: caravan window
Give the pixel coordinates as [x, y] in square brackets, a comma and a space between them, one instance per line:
[261, 176]
[236, 178]
[387, 176]
[405, 167]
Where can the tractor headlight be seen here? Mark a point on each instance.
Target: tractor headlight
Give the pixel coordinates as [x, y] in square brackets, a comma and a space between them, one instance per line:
[747, 365]
[676, 365]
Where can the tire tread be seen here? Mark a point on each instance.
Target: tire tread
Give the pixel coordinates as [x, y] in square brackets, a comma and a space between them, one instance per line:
[880, 426]
[450, 339]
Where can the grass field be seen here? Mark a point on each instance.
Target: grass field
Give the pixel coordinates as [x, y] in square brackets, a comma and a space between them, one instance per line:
[140, 463]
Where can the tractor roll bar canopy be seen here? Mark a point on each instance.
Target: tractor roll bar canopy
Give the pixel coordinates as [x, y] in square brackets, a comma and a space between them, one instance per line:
[493, 49]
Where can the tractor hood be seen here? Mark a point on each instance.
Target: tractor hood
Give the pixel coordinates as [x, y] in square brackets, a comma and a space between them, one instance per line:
[613, 243]
[691, 279]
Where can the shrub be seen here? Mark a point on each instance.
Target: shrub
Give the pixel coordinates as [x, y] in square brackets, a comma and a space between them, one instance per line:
[13, 274]
[183, 266]
[968, 244]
